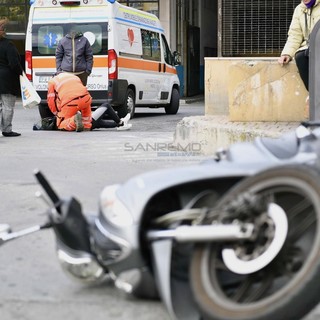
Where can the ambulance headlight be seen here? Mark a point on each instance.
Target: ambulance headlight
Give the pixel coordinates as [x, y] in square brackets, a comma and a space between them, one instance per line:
[113, 209]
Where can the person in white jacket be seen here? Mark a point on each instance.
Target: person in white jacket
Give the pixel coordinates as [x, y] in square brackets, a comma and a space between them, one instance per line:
[305, 16]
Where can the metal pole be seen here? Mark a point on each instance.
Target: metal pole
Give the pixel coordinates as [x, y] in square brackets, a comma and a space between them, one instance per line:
[219, 28]
[314, 73]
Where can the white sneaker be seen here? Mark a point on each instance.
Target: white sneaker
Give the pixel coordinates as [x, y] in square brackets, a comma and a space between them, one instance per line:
[126, 119]
[126, 126]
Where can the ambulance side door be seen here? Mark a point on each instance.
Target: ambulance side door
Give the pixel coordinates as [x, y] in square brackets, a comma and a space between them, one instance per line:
[153, 76]
[168, 71]
[139, 58]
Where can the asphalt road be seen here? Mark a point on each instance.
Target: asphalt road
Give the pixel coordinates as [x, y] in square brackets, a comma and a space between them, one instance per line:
[32, 285]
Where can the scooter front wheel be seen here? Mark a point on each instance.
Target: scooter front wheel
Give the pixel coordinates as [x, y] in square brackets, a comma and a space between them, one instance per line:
[288, 286]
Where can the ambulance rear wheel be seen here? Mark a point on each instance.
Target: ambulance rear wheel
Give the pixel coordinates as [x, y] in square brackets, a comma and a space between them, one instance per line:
[173, 107]
[128, 106]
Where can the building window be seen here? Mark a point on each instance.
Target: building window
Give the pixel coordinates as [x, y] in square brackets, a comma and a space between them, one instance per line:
[151, 6]
[255, 27]
[17, 12]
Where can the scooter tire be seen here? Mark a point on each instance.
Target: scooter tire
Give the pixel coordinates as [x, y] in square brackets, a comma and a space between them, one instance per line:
[272, 292]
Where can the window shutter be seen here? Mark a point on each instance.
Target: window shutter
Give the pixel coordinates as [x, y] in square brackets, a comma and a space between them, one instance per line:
[255, 27]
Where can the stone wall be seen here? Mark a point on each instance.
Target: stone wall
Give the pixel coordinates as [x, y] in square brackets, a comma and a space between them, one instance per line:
[254, 89]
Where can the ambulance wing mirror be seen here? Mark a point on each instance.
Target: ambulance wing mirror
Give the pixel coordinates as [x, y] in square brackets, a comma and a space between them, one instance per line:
[176, 58]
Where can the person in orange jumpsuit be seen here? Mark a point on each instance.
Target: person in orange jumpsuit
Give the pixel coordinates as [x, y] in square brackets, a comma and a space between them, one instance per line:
[70, 101]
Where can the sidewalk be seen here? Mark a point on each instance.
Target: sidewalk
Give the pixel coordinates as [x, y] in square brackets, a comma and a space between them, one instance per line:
[188, 100]
[214, 132]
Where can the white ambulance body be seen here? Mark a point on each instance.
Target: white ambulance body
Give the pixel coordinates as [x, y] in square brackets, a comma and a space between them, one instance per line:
[133, 65]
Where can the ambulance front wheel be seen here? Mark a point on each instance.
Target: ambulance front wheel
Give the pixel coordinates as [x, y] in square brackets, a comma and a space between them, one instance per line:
[173, 106]
[128, 106]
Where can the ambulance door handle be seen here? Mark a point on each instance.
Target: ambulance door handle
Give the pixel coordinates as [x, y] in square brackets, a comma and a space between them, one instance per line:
[164, 68]
[160, 67]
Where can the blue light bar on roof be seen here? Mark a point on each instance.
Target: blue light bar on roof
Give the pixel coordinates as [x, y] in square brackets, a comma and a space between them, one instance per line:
[111, 1]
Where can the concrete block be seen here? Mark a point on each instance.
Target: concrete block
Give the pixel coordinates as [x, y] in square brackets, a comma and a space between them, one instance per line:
[254, 89]
[216, 86]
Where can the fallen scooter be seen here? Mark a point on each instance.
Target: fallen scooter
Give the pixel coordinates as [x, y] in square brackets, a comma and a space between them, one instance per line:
[234, 237]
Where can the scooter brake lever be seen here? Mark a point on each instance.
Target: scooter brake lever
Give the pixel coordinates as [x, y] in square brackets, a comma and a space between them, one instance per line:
[48, 189]
[10, 235]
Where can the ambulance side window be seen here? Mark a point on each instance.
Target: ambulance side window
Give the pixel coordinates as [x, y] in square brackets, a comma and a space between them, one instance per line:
[168, 58]
[150, 45]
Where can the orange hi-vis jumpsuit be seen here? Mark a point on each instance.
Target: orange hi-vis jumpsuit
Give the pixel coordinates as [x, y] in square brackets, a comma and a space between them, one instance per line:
[66, 96]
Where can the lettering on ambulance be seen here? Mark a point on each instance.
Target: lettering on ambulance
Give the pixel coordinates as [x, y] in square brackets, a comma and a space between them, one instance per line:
[153, 86]
[141, 73]
[96, 81]
[41, 87]
[98, 78]
[139, 17]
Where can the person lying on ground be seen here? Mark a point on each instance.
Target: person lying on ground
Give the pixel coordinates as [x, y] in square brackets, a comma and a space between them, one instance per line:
[98, 120]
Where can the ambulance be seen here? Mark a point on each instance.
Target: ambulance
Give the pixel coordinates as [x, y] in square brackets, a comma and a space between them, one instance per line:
[133, 65]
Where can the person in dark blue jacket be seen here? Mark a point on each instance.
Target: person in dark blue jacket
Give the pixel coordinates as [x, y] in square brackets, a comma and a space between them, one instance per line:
[10, 69]
[74, 54]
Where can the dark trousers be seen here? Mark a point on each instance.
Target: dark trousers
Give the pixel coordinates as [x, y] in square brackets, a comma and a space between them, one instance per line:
[83, 77]
[44, 111]
[102, 123]
[302, 62]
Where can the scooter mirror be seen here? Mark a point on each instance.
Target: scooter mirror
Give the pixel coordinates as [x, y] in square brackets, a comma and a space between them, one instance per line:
[302, 132]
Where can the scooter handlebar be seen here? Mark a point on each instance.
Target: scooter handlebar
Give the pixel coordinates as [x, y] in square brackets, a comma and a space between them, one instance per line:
[47, 188]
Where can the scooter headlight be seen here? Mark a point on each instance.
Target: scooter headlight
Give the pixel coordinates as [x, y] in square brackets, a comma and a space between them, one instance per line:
[113, 209]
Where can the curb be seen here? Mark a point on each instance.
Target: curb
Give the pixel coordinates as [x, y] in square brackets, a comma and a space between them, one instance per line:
[189, 100]
[214, 132]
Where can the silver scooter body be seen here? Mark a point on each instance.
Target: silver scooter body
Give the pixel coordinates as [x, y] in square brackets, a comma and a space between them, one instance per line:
[135, 237]
[150, 251]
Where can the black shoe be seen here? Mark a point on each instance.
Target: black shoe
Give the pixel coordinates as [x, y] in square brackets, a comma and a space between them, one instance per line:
[11, 134]
[94, 124]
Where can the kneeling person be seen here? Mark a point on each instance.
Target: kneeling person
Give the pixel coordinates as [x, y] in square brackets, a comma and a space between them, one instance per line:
[70, 101]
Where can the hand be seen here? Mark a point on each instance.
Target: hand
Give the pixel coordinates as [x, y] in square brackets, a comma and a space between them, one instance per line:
[285, 59]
